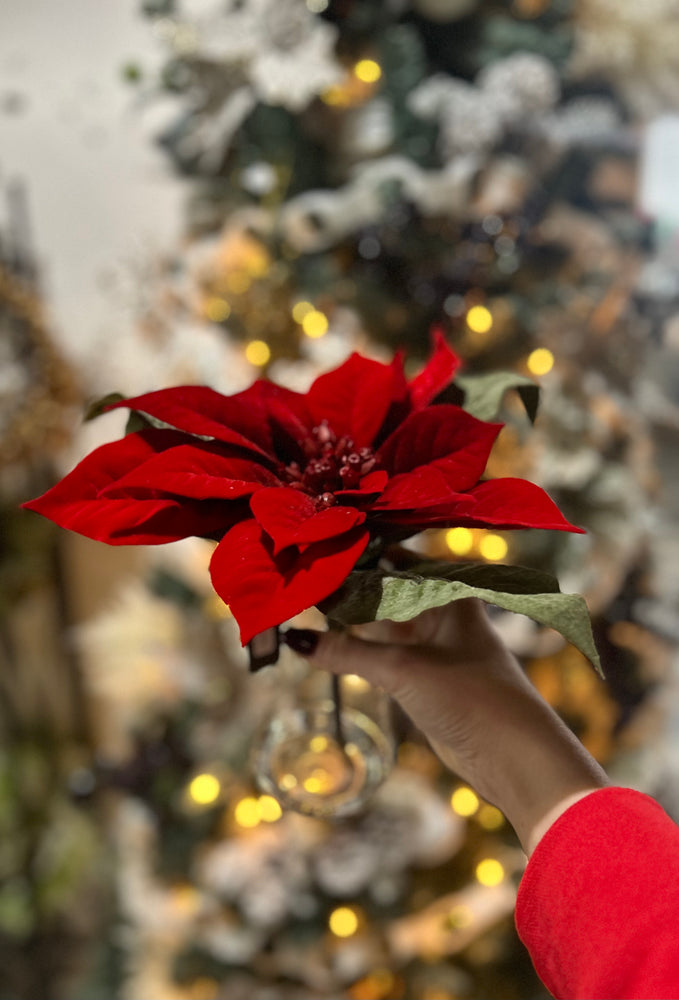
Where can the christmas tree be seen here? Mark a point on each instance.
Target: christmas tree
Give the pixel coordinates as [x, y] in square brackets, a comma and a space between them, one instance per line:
[363, 173]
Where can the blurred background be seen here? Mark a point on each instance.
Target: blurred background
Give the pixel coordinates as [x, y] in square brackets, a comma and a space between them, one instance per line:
[208, 190]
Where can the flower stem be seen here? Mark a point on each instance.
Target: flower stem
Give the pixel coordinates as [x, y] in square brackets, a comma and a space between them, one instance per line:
[337, 709]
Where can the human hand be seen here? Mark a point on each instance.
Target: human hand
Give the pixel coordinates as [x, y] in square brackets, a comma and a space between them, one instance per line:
[452, 674]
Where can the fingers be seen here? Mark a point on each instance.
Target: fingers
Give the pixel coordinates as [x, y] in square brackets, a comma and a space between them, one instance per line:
[341, 653]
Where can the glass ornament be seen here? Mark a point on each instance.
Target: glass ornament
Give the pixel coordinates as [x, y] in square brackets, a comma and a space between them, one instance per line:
[328, 746]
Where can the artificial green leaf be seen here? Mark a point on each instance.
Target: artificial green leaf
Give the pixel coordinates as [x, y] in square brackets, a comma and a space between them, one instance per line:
[97, 407]
[374, 595]
[483, 394]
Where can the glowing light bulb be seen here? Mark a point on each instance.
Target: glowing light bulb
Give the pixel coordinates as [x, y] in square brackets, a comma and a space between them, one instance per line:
[490, 818]
[343, 921]
[460, 541]
[205, 789]
[479, 319]
[464, 801]
[247, 812]
[257, 352]
[217, 309]
[493, 547]
[367, 70]
[315, 324]
[269, 809]
[301, 309]
[540, 361]
[489, 872]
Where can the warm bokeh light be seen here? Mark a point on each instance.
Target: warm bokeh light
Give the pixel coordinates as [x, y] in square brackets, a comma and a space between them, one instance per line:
[257, 352]
[460, 541]
[540, 361]
[315, 324]
[464, 801]
[288, 782]
[247, 812]
[301, 309]
[368, 71]
[459, 916]
[319, 782]
[489, 872]
[216, 309]
[490, 817]
[493, 547]
[343, 921]
[479, 319]
[269, 808]
[317, 744]
[205, 789]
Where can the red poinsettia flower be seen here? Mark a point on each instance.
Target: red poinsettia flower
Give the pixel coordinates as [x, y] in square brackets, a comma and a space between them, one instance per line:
[293, 485]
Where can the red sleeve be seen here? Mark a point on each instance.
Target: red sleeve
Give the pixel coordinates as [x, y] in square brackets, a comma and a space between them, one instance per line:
[598, 906]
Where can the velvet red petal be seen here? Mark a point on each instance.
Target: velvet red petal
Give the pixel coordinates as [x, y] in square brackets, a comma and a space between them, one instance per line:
[290, 517]
[195, 409]
[369, 487]
[436, 374]
[263, 590]
[498, 503]
[425, 487]
[75, 502]
[517, 503]
[193, 470]
[355, 398]
[445, 436]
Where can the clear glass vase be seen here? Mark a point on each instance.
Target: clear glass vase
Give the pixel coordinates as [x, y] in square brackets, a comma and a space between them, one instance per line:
[328, 745]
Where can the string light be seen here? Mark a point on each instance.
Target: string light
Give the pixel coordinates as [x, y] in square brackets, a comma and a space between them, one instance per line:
[247, 813]
[489, 817]
[205, 789]
[269, 808]
[343, 921]
[489, 872]
[493, 547]
[460, 541]
[464, 801]
[540, 361]
[217, 309]
[367, 70]
[459, 916]
[315, 324]
[301, 309]
[257, 352]
[479, 319]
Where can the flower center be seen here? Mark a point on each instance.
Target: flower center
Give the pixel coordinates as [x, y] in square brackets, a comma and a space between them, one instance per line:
[331, 464]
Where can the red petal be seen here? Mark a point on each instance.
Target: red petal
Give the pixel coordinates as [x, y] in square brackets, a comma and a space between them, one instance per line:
[370, 486]
[263, 591]
[290, 517]
[516, 503]
[445, 436]
[194, 470]
[355, 398]
[239, 419]
[424, 487]
[436, 374]
[76, 502]
[498, 503]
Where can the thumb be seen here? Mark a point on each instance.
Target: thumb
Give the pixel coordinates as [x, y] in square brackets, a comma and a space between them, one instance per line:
[342, 653]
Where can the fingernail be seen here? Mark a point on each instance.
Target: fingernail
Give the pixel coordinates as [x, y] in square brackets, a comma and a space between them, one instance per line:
[302, 640]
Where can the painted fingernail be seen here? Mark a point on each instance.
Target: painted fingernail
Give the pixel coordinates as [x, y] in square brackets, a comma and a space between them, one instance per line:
[302, 640]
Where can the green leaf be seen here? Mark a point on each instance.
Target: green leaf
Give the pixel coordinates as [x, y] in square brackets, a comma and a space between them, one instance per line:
[483, 394]
[97, 407]
[373, 595]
